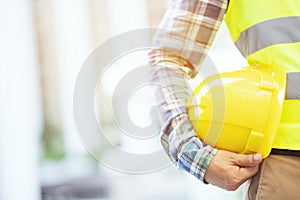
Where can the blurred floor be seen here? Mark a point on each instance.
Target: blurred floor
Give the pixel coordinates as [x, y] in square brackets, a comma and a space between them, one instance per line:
[167, 184]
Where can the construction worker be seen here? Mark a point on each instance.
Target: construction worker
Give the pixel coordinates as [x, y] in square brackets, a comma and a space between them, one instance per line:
[267, 34]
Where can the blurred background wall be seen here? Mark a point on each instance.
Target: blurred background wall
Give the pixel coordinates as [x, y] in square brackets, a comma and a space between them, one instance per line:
[43, 44]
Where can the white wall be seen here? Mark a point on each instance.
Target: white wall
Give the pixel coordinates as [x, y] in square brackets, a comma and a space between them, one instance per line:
[20, 103]
[73, 42]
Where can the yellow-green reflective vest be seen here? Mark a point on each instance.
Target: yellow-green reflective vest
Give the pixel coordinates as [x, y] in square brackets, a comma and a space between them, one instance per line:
[267, 32]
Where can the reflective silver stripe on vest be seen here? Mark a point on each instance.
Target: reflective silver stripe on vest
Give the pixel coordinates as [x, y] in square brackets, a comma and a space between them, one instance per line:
[264, 34]
[292, 85]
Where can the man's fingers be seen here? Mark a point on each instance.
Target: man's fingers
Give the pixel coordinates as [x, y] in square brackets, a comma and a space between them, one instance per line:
[231, 183]
[248, 160]
[247, 172]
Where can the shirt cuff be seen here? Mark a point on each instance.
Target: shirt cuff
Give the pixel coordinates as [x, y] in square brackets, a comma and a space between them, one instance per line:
[194, 159]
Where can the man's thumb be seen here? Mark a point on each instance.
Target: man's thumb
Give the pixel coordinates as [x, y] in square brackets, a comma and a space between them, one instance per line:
[249, 160]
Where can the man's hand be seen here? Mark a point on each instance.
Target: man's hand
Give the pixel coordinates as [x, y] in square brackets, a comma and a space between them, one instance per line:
[229, 170]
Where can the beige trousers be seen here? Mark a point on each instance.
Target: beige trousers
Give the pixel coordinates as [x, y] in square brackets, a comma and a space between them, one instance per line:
[278, 179]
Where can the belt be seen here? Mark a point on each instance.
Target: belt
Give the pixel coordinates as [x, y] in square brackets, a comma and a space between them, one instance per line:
[285, 152]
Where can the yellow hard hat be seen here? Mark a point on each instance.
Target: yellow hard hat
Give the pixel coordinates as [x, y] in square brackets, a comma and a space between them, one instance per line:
[239, 111]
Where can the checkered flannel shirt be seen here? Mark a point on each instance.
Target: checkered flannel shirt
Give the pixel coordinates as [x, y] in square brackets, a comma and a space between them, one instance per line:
[185, 35]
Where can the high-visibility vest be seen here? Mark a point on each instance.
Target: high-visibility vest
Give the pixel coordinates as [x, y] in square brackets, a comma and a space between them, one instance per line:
[267, 33]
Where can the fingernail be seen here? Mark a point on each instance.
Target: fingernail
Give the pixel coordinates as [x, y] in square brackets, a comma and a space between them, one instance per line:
[257, 157]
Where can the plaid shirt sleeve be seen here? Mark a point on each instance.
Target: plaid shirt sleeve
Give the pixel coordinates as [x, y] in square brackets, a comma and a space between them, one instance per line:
[185, 35]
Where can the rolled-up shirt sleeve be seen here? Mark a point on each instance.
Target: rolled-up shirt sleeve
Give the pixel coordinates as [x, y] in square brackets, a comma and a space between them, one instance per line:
[181, 43]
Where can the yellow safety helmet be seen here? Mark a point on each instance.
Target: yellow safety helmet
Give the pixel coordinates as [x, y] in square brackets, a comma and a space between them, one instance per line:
[239, 111]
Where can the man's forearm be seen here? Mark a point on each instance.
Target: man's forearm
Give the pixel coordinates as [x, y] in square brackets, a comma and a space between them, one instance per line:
[178, 137]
